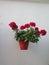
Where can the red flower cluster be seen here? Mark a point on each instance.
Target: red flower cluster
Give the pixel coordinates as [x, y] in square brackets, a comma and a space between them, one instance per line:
[43, 32]
[32, 24]
[27, 25]
[13, 25]
[22, 27]
[36, 28]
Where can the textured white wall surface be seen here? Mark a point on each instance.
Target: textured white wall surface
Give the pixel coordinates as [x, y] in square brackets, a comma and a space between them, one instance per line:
[21, 13]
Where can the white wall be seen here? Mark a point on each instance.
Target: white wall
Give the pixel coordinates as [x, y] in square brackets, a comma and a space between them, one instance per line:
[21, 12]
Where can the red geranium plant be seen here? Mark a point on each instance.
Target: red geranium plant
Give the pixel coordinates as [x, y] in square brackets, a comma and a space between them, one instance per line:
[27, 33]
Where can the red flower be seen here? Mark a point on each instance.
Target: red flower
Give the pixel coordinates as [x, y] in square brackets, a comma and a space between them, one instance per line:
[22, 27]
[43, 32]
[32, 24]
[13, 25]
[27, 25]
[36, 28]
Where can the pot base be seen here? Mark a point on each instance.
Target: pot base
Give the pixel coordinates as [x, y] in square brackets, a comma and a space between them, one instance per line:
[23, 45]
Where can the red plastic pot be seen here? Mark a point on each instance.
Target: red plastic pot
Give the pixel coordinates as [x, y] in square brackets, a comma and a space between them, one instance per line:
[23, 45]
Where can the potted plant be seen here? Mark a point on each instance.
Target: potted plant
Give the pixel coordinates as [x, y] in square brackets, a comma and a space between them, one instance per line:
[27, 33]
